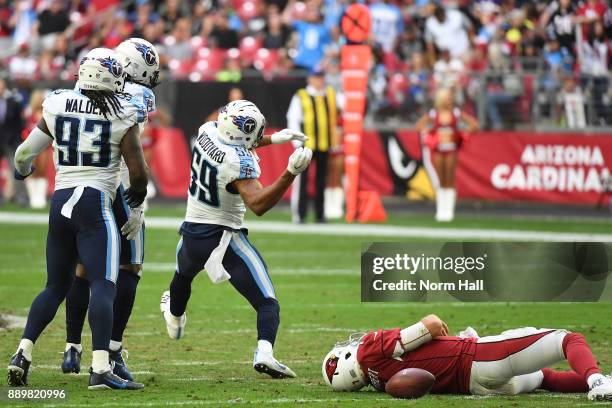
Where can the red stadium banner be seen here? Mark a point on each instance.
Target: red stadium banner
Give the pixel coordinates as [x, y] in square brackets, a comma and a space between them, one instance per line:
[567, 168]
[503, 166]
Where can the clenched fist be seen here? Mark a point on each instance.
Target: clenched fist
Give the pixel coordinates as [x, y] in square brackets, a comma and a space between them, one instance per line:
[299, 160]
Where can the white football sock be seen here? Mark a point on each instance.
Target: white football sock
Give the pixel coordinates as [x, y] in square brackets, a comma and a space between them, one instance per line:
[99, 361]
[42, 186]
[439, 203]
[451, 198]
[594, 377]
[114, 345]
[264, 346]
[78, 347]
[26, 345]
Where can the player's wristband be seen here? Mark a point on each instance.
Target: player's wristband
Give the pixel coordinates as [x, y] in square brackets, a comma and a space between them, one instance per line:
[414, 336]
[19, 176]
[134, 198]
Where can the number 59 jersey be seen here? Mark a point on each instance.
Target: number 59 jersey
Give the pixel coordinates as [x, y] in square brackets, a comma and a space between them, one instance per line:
[214, 166]
[86, 145]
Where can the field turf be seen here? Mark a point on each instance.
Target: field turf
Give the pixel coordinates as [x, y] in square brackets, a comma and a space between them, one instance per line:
[317, 284]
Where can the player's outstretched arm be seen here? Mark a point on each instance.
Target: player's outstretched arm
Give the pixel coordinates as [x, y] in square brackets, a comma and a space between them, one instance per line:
[37, 141]
[283, 136]
[260, 199]
[131, 150]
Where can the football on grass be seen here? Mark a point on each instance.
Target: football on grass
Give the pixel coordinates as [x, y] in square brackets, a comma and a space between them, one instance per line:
[410, 383]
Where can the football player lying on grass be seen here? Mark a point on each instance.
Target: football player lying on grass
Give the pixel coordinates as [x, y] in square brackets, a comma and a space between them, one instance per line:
[511, 363]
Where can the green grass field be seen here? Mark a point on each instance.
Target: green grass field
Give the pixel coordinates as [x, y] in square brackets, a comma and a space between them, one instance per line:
[317, 283]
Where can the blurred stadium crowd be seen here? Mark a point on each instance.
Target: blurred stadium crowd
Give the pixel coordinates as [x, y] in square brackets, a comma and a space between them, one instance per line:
[527, 57]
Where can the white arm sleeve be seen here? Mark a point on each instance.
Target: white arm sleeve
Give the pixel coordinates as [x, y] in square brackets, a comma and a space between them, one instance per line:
[414, 336]
[36, 142]
[294, 114]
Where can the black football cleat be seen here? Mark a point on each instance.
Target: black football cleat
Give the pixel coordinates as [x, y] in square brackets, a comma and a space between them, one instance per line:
[72, 361]
[18, 370]
[109, 381]
[119, 367]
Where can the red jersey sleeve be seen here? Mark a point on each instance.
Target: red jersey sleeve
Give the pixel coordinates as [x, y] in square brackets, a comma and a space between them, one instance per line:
[378, 345]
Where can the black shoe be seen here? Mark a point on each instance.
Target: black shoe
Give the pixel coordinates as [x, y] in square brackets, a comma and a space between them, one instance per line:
[107, 380]
[72, 361]
[18, 370]
[119, 367]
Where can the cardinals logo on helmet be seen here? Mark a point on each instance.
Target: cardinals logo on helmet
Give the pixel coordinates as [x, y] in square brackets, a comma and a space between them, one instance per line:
[147, 53]
[112, 65]
[246, 124]
[330, 367]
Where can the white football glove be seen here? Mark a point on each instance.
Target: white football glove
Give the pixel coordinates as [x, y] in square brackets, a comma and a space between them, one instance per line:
[287, 135]
[131, 228]
[299, 160]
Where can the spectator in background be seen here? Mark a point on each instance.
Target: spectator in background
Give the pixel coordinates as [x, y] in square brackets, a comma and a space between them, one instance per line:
[570, 105]
[387, 24]
[519, 30]
[37, 185]
[11, 125]
[560, 22]
[418, 80]
[23, 66]
[22, 21]
[231, 71]
[447, 29]
[51, 22]
[222, 35]
[178, 44]
[594, 54]
[313, 36]
[591, 11]
[6, 29]
[171, 11]
[276, 33]
[448, 73]
[144, 17]
[118, 31]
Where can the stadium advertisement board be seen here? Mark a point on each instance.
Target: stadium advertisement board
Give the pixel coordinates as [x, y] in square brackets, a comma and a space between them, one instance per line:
[502, 166]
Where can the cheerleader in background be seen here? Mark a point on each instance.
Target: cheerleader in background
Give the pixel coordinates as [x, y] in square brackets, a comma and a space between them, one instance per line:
[442, 140]
[37, 184]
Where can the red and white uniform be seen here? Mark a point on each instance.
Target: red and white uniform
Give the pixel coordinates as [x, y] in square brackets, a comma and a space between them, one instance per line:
[445, 137]
[509, 363]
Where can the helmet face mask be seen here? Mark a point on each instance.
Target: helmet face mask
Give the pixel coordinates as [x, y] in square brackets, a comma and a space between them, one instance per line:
[241, 123]
[141, 61]
[100, 70]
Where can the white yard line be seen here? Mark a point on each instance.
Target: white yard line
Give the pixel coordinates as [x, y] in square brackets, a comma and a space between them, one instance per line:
[358, 230]
[169, 267]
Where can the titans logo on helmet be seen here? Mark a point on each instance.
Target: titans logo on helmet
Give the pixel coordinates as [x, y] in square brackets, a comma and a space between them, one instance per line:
[246, 124]
[147, 53]
[112, 65]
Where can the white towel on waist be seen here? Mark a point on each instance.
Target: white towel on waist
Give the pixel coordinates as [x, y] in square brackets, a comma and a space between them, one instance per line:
[214, 266]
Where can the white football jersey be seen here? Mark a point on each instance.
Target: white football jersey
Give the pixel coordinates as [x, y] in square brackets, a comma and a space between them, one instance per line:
[86, 145]
[144, 99]
[214, 166]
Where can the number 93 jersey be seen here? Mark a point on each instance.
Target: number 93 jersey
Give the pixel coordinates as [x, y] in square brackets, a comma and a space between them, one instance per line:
[214, 166]
[86, 145]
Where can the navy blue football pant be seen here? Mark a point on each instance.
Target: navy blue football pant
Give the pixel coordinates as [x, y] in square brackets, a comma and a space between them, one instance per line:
[248, 271]
[91, 236]
[77, 299]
